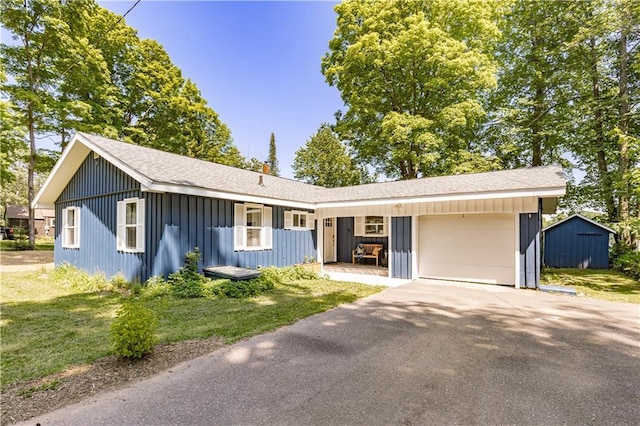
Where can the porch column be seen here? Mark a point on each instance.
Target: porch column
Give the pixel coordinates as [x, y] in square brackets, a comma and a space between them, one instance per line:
[320, 241]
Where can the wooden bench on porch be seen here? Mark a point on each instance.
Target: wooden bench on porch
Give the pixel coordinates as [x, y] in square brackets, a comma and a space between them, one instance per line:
[371, 251]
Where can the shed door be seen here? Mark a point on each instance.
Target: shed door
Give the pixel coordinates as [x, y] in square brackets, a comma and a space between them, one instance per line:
[469, 247]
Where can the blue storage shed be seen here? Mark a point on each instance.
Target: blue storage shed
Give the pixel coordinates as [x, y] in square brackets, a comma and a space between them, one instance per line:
[577, 242]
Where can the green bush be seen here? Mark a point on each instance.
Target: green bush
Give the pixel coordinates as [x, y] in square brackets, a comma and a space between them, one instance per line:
[72, 277]
[187, 282]
[133, 330]
[241, 289]
[156, 287]
[288, 273]
[626, 260]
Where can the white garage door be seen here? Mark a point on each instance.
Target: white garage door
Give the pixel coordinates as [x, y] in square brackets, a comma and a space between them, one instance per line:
[469, 247]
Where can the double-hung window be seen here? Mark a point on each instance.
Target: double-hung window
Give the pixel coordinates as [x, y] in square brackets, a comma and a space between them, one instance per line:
[298, 220]
[252, 227]
[131, 225]
[371, 226]
[71, 227]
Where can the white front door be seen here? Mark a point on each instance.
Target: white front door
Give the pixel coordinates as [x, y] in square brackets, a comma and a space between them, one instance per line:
[329, 240]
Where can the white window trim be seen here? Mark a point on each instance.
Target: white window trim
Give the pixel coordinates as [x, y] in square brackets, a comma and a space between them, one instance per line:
[139, 225]
[66, 227]
[360, 226]
[240, 227]
[289, 222]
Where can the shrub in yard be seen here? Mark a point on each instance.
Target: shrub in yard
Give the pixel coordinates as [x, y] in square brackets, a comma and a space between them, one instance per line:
[241, 289]
[187, 282]
[133, 330]
[72, 277]
[156, 287]
[288, 273]
[626, 260]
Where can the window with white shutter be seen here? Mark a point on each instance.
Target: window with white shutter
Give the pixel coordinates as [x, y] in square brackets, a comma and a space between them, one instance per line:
[252, 227]
[131, 218]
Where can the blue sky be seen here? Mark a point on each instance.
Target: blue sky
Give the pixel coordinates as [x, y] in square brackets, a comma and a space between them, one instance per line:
[256, 63]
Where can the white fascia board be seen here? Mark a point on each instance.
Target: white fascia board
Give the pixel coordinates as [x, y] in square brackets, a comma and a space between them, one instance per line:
[538, 193]
[64, 169]
[140, 178]
[190, 190]
[606, 228]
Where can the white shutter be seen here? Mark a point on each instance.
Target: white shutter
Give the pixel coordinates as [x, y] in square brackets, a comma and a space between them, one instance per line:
[311, 221]
[239, 225]
[140, 219]
[65, 230]
[288, 219]
[120, 225]
[358, 228]
[267, 229]
[77, 224]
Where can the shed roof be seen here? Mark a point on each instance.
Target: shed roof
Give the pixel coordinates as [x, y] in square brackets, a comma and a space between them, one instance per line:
[166, 172]
[580, 217]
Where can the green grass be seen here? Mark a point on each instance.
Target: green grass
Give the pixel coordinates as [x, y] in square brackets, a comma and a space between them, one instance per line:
[47, 327]
[600, 284]
[42, 244]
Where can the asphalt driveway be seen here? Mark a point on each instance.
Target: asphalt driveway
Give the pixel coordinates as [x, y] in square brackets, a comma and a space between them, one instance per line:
[422, 353]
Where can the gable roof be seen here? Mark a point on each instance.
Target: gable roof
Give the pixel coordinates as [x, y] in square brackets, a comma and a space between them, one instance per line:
[166, 172]
[579, 216]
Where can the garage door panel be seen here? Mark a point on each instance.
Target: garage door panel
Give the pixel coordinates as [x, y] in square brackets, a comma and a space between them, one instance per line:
[483, 238]
[471, 247]
[471, 256]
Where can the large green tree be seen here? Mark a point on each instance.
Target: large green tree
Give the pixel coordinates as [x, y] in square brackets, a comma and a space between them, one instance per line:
[36, 61]
[530, 109]
[76, 66]
[325, 161]
[411, 74]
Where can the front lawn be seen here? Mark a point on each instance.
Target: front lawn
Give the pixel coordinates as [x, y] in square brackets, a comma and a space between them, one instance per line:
[42, 244]
[47, 326]
[602, 284]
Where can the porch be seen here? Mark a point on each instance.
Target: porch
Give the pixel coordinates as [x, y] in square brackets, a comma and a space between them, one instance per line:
[359, 273]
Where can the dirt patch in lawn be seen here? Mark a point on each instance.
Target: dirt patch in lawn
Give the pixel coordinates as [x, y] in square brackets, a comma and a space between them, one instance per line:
[25, 400]
[25, 257]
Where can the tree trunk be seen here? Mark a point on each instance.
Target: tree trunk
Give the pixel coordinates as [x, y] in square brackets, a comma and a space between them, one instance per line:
[600, 137]
[536, 128]
[32, 146]
[623, 124]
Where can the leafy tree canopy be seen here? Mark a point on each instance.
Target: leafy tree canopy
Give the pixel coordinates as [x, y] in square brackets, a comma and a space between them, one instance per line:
[412, 74]
[325, 161]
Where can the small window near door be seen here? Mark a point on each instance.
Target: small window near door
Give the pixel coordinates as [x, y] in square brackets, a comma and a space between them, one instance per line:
[298, 220]
[370, 226]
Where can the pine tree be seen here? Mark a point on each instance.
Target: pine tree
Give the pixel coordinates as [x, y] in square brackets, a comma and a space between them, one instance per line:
[273, 159]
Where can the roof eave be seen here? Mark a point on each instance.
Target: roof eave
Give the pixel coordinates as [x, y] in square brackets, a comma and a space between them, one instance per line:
[211, 193]
[539, 193]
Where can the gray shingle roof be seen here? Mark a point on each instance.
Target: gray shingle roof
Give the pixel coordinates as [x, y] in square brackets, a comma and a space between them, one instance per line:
[166, 168]
[501, 181]
[172, 169]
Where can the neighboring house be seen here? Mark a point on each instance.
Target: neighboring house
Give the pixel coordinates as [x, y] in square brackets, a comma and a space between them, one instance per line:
[17, 217]
[125, 208]
[577, 242]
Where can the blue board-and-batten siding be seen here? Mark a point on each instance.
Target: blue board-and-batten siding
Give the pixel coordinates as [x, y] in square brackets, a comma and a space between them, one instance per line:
[174, 225]
[400, 253]
[576, 243]
[529, 250]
